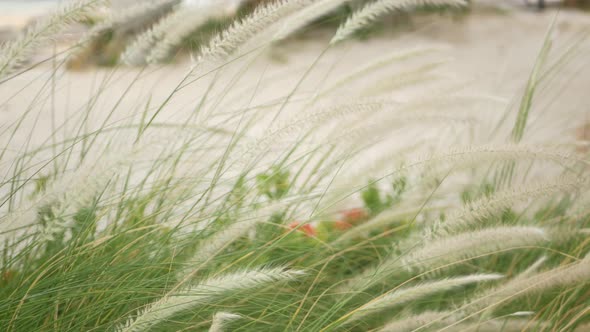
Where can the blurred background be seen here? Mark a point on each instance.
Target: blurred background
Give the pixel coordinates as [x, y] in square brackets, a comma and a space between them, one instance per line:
[494, 43]
[17, 14]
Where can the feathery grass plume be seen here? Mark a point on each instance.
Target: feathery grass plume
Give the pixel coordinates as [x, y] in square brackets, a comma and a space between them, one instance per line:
[500, 152]
[216, 243]
[375, 65]
[381, 127]
[478, 154]
[79, 188]
[200, 15]
[461, 158]
[485, 207]
[405, 295]
[448, 250]
[304, 17]
[228, 41]
[415, 322]
[372, 11]
[475, 306]
[175, 34]
[572, 274]
[138, 51]
[136, 14]
[14, 53]
[405, 79]
[322, 114]
[68, 194]
[220, 319]
[140, 13]
[472, 244]
[531, 269]
[123, 20]
[307, 121]
[94, 32]
[125, 16]
[199, 295]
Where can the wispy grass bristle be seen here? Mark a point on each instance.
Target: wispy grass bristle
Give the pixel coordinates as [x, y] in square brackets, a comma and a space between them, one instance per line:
[372, 11]
[220, 319]
[415, 322]
[304, 17]
[226, 43]
[273, 185]
[199, 295]
[14, 54]
[410, 294]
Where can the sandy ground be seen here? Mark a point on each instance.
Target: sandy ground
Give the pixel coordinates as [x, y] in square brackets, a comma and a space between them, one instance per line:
[487, 53]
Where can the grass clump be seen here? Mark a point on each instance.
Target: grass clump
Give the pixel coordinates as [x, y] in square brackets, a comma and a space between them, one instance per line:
[211, 207]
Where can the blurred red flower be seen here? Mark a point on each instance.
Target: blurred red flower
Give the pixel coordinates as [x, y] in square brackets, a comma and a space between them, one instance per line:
[354, 215]
[342, 225]
[308, 229]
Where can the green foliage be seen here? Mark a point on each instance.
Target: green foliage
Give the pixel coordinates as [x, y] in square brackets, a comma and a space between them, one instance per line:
[372, 198]
[273, 184]
[175, 209]
[375, 201]
[41, 184]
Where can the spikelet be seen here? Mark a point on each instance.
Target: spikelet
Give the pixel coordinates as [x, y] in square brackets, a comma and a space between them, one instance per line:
[405, 79]
[531, 269]
[379, 128]
[488, 153]
[479, 154]
[476, 155]
[472, 244]
[321, 115]
[406, 295]
[437, 254]
[198, 17]
[303, 123]
[13, 54]
[415, 322]
[306, 16]
[572, 274]
[137, 52]
[371, 12]
[139, 13]
[80, 187]
[481, 303]
[199, 295]
[377, 64]
[212, 246]
[227, 42]
[123, 17]
[485, 207]
[220, 319]
[76, 191]
[190, 22]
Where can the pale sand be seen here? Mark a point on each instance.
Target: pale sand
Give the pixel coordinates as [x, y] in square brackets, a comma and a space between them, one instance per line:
[488, 52]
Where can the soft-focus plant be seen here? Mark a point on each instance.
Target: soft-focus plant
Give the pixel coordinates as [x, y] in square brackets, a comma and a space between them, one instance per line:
[315, 209]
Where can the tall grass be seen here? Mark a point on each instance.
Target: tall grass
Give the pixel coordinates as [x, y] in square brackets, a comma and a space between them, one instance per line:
[216, 200]
[15, 53]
